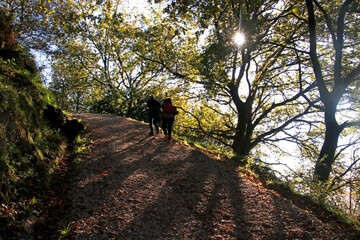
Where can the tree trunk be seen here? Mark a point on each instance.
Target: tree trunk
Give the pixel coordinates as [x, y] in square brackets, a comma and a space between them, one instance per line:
[242, 137]
[241, 143]
[77, 107]
[326, 158]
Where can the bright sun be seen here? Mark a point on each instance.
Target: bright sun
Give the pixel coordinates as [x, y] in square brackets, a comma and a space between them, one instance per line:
[239, 38]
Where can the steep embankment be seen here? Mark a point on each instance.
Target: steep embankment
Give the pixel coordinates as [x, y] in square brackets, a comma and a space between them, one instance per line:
[29, 148]
[133, 186]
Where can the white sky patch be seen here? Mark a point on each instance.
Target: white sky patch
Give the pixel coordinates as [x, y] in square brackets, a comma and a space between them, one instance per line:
[43, 62]
[137, 6]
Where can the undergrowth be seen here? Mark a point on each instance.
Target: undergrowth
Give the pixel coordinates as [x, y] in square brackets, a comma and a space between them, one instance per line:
[30, 150]
[322, 207]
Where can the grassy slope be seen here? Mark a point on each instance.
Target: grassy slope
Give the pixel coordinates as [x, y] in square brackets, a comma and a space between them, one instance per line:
[29, 149]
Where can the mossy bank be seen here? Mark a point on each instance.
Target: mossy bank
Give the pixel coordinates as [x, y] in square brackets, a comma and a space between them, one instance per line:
[30, 149]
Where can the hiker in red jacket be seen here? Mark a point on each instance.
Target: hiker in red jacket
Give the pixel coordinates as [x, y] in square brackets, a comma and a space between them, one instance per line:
[168, 112]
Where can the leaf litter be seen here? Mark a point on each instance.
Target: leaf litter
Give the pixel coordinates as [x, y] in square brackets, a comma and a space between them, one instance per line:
[136, 186]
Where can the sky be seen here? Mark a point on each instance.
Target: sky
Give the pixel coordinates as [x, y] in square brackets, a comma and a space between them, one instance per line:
[139, 6]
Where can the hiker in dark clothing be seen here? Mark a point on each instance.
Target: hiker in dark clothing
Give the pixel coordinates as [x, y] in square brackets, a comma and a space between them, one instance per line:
[154, 115]
[168, 112]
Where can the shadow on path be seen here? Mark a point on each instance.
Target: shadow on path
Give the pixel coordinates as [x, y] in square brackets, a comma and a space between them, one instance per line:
[133, 186]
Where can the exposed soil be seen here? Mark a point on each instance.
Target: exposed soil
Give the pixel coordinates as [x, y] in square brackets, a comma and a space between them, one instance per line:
[136, 186]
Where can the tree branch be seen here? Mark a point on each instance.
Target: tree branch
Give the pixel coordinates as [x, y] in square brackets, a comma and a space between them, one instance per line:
[324, 93]
[350, 124]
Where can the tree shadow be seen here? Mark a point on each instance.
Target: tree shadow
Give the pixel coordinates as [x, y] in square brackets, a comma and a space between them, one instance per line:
[199, 200]
[149, 188]
[134, 186]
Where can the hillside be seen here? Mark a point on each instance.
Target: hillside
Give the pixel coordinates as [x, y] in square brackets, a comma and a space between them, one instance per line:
[31, 145]
[134, 186]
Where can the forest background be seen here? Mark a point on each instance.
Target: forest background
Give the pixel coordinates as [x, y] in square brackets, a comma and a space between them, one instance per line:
[288, 94]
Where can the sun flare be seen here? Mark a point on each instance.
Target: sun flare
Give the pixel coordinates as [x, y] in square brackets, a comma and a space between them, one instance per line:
[239, 38]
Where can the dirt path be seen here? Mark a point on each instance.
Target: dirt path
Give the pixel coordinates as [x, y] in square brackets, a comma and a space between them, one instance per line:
[134, 186]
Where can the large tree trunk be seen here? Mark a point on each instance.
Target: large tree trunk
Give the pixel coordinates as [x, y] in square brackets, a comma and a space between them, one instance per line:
[242, 137]
[326, 158]
[241, 143]
[330, 100]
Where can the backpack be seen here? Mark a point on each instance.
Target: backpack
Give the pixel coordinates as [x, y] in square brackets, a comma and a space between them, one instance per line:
[169, 108]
